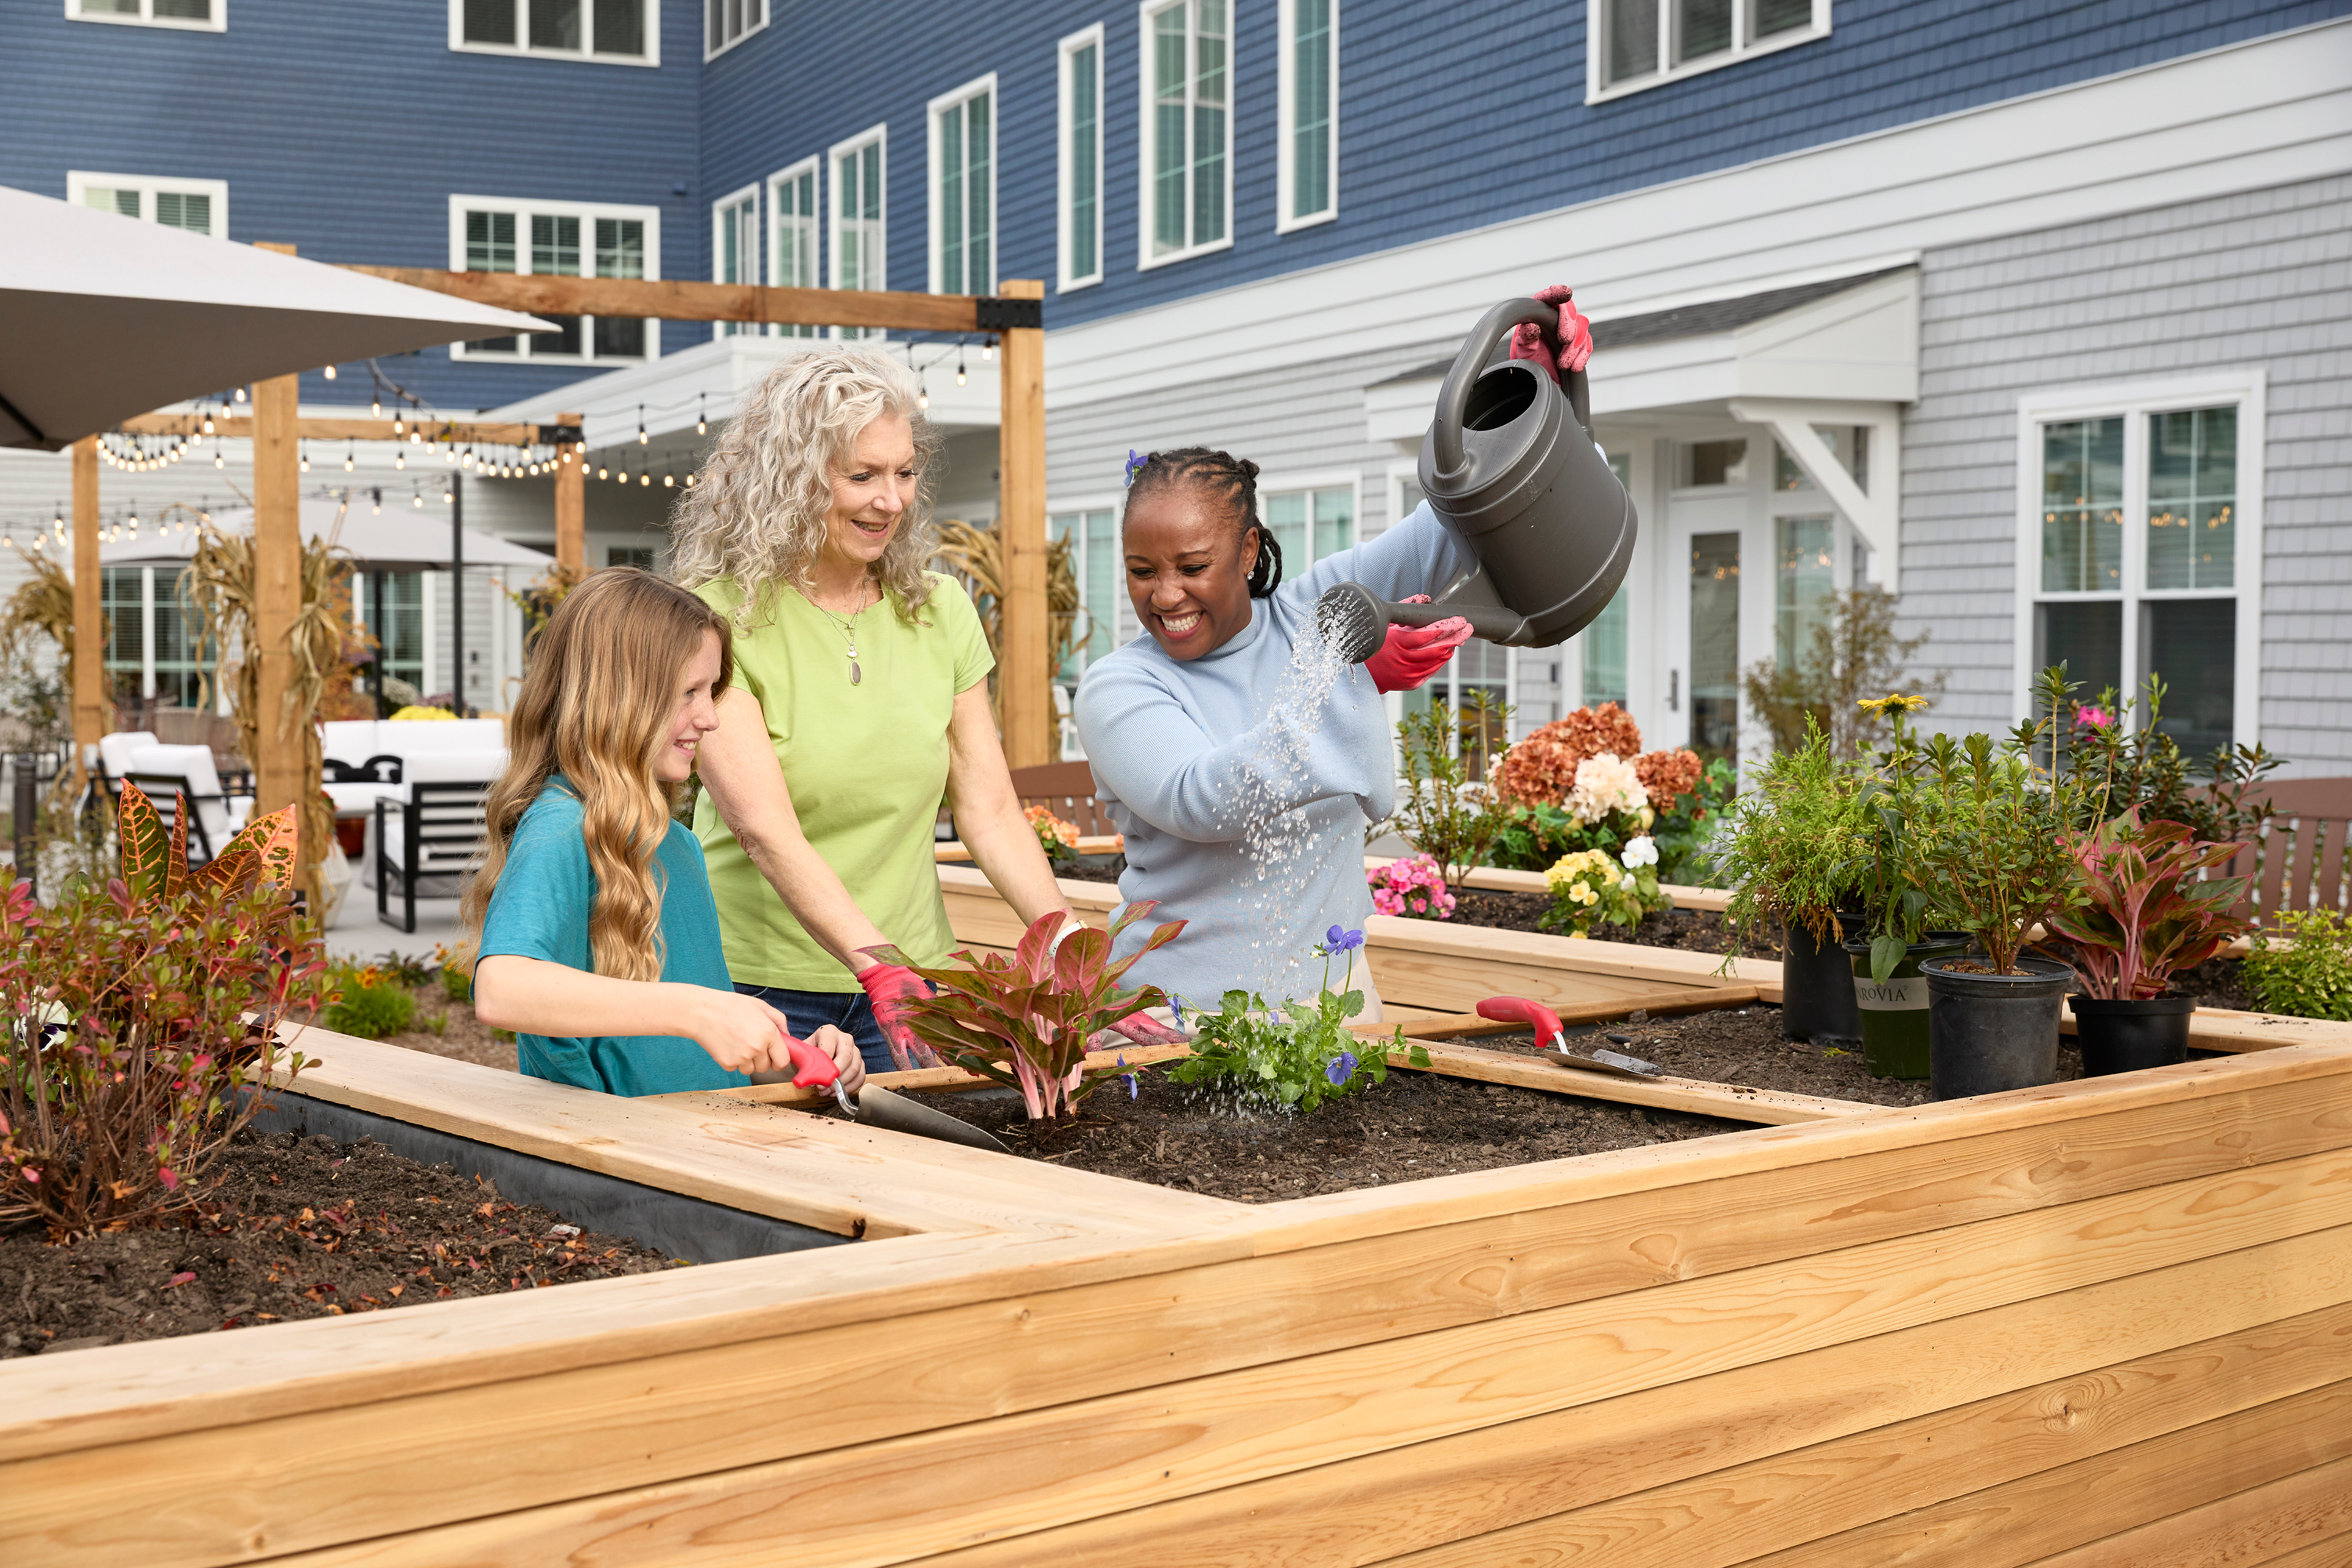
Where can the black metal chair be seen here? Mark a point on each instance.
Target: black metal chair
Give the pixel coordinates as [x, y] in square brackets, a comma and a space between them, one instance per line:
[209, 830]
[439, 828]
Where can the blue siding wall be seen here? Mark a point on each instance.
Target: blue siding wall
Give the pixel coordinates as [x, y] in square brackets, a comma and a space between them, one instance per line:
[1451, 117]
[344, 128]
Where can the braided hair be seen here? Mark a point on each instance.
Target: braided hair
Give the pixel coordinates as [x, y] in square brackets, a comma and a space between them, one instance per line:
[1235, 478]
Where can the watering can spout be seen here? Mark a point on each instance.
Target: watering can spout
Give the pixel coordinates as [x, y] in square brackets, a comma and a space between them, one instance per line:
[1509, 466]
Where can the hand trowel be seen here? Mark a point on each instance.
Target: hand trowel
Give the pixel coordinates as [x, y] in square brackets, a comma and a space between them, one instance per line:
[875, 1106]
[1551, 1038]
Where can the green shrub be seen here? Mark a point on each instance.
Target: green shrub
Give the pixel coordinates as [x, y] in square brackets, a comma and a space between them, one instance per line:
[370, 1004]
[456, 974]
[2309, 973]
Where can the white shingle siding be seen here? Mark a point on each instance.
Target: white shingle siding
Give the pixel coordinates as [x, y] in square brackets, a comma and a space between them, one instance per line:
[2260, 277]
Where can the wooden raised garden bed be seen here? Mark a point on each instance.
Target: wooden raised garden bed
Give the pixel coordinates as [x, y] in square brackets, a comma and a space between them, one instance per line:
[2105, 1322]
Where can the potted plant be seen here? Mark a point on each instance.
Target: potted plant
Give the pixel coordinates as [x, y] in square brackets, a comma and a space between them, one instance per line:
[1990, 831]
[1794, 851]
[2146, 916]
[1901, 926]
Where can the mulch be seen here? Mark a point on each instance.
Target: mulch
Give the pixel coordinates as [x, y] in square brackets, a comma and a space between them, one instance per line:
[302, 1227]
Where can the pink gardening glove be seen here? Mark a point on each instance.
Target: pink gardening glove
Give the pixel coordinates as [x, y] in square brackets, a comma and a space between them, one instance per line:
[1411, 655]
[1146, 1030]
[1565, 349]
[888, 986]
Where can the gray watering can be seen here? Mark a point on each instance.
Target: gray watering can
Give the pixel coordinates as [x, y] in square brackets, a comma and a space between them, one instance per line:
[1510, 465]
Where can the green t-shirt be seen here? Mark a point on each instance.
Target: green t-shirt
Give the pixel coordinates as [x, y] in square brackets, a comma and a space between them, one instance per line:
[866, 764]
[539, 909]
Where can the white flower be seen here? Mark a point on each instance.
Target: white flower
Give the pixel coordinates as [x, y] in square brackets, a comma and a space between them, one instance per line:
[1603, 785]
[1642, 851]
[1627, 883]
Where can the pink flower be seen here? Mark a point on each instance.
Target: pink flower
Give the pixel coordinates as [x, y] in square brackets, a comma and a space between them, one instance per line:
[2090, 716]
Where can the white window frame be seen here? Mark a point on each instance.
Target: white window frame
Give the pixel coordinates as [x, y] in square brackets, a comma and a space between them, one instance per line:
[149, 186]
[1083, 38]
[1349, 479]
[2133, 401]
[147, 17]
[829, 194]
[955, 100]
[459, 43]
[525, 209]
[813, 167]
[1285, 138]
[723, 213]
[1145, 146]
[712, 51]
[1122, 618]
[1598, 89]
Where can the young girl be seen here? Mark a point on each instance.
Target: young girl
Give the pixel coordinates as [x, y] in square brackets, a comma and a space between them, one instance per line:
[597, 942]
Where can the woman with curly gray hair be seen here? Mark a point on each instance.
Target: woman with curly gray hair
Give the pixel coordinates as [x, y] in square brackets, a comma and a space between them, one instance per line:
[859, 703]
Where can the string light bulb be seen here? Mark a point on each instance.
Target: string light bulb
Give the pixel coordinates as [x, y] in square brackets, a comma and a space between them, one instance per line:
[240, 395]
[646, 478]
[220, 459]
[987, 349]
[330, 372]
[959, 361]
[398, 424]
[642, 437]
[922, 392]
[603, 472]
[378, 497]
[701, 407]
[668, 482]
[305, 459]
[448, 496]
[375, 408]
[351, 451]
[208, 424]
[418, 500]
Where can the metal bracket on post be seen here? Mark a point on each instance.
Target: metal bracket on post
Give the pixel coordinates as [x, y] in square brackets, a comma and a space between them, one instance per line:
[559, 435]
[999, 315]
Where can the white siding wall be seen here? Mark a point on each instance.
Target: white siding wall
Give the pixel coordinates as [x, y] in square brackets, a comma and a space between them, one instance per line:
[2262, 278]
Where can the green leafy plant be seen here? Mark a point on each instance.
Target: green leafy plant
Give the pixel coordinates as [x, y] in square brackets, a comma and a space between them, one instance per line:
[1989, 830]
[1796, 845]
[403, 969]
[2139, 766]
[369, 1001]
[2304, 968]
[1853, 652]
[456, 974]
[1896, 909]
[1592, 888]
[1445, 809]
[1298, 1056]
[1025, 1020]
[138, 1023]
[2145, 914]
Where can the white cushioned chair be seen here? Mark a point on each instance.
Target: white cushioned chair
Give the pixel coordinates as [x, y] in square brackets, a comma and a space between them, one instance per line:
[170, 773]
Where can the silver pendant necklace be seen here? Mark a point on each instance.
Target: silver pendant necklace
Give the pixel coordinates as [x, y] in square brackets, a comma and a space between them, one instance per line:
[849, 634]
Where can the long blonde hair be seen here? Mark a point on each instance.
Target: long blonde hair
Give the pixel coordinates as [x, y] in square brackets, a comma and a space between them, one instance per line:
[757, 511]
[598, 707]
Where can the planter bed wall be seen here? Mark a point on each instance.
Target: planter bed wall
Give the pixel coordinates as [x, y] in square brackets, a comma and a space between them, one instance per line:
[2107, 1321]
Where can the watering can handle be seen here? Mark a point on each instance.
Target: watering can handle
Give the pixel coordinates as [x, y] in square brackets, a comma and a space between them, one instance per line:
[1453, 396]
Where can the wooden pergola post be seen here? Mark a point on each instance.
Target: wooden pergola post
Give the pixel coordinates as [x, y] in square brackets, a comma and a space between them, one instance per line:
[1024, 681]
[91, 718]
[277, 590]
[571, 505]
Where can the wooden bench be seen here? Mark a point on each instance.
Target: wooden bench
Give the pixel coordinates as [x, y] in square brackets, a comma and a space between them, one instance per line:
[1068, 789]
[2297, 859]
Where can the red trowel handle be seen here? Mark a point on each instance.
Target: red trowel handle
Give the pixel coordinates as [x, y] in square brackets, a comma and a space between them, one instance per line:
[1519, 1010]
[812, 1069]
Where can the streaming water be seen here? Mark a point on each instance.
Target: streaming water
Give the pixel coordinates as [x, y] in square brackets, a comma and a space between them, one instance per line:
[1277, 839]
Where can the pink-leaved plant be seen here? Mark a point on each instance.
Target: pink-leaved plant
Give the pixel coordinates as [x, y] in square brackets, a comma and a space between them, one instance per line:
[2148, 914]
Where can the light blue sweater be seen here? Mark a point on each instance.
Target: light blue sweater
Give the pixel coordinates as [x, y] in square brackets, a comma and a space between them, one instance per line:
[1177, 745]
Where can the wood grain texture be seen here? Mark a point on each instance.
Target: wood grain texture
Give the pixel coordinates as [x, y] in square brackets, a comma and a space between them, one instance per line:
[549, 294]
[960, 1484]
[2067, 1366]
[2071, 1506]
[1736, 1102]
[239, 426]
[2308, 1512]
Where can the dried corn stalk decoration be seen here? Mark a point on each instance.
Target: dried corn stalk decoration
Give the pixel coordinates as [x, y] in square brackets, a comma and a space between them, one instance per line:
[216, 595]
[976, 555]
[44, 604]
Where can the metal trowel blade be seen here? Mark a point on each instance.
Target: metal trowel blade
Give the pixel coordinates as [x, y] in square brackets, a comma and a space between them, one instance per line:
[1614, 1064]
[879, 1106]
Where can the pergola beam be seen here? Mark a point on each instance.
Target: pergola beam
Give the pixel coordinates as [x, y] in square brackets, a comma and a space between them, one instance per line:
[547, 294]
[449, 432]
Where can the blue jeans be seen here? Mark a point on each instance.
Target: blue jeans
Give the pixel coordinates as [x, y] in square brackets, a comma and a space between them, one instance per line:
[848, 1010]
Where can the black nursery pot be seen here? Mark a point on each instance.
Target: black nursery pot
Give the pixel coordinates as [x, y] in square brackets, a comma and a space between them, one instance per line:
[1817, 988]
[1987, 1032]
[2124, 1037]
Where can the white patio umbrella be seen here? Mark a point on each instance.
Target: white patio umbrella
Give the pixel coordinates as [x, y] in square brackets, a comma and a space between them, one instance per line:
[401, 538]
[103, 318]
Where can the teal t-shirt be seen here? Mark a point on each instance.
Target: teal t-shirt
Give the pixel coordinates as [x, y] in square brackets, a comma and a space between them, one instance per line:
[539, 909]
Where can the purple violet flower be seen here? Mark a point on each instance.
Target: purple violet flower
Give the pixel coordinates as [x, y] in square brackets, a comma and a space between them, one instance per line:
[1340, 940]
[1343, 1069]
[1134, 461]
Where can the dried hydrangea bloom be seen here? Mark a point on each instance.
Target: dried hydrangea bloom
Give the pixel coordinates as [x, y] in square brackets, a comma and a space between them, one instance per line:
[1669, 775]
[1541, 769]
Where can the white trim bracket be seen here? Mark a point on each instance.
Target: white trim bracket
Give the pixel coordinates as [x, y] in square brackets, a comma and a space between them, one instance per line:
[1875, 513]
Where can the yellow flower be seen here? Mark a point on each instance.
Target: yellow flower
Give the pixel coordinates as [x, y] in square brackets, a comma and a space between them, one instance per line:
[1893, 702]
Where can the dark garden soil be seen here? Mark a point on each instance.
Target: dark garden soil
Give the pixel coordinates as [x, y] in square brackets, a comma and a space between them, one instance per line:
[1426, 1124]
[302, 1227]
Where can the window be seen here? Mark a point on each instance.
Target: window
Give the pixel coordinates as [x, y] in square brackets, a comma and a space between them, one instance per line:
[629, 555]
[491, 234]
[1849, 444]
[394, 605]
[204, 15]
[147, 651]
[963, 190]
[1804, 581]
[1188, 207]
[611, 31]
[1309, 524]
[200, 206]
[1698, 463]
[727, 23]
[1081, 159]
[1308, 164]
[1093, 534]
[858, 217]
[1715, 646]
[791, 255]
[2142, 555]
[735, 250]
[1637, 44]
[1601, 645]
